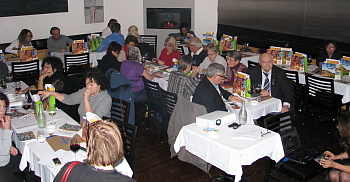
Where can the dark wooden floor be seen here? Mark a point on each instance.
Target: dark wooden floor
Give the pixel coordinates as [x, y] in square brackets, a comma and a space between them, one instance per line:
[153, 162]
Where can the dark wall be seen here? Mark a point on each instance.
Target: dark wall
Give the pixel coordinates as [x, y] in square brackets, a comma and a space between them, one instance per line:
[265, 39]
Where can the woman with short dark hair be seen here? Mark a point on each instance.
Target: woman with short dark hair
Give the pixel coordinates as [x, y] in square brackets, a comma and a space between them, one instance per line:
[234, 66]
[93, 98]
[110, 60]
[104, 148]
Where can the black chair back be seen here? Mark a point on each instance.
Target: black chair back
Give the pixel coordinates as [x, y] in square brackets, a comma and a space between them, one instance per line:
[27, 72]
[154, 98]
[151, 40]
[76, 64]
[168, 103]
[320, 90]
[120, 109]
[293, 75]
[128, 133]
[252, 63]
[279, 123]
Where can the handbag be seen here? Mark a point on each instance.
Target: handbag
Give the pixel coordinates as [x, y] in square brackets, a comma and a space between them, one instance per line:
[69, 168]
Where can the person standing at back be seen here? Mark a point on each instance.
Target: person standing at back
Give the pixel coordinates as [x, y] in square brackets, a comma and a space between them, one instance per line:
[107, 31]
[115, 36]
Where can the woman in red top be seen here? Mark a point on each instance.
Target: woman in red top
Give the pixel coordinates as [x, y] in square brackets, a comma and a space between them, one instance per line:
[169, 52]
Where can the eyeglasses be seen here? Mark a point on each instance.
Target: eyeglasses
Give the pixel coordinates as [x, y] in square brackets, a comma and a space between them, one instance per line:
[167, 45]
[46, 67]
[223, 76]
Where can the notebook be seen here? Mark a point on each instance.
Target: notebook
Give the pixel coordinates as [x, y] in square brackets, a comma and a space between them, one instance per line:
[293, 149]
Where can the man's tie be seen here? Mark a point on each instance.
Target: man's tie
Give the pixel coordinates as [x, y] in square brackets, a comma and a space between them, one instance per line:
[267, 82]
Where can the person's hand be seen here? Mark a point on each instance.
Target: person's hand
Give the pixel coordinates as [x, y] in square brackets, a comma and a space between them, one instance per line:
[42, 76]
[13, 151]
[87, 94]
[63, 50]
[285, 108]
[5, 122]
[21, 92]
[204, 71]
[155, 60]
[45, 93]
[195, 70]
[234, 98]
[161, 62]
[265, 93]
[329, 155]
[327, 163]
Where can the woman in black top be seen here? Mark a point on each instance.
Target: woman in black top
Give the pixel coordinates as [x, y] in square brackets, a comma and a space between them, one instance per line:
[330, 52]
[110, 60]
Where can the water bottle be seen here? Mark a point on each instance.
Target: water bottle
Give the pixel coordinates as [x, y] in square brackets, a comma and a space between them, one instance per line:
[242, 116]
[39, 115]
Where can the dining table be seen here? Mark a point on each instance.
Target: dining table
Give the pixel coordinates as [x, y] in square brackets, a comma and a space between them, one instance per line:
[93, 56]
[38, 154]
[229, 149]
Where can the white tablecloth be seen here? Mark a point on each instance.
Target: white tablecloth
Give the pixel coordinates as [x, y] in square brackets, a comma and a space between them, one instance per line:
[162, 80]
[227, 150]
[260, 109]
[249, 56]
[94, 56]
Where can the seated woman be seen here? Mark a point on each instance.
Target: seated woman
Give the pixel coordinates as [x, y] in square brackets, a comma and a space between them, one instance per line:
[133, 30]
[169, 52]
[234, 65]
[213, 57]
[94, 98]
[339, 172]
[179, 81]
[134, 71]
[24, 38]
[104, 147]
[330, 52]
[110, 60]
[131, 41]
[184, 30]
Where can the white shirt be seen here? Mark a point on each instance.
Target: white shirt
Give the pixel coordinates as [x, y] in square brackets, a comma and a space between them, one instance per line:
[14, 44]
[263, 81]
[107, 31]
[206, 62]
[197, 53]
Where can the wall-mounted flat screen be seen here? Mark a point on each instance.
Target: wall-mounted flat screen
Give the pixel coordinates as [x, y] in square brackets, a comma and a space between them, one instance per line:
[26, 7]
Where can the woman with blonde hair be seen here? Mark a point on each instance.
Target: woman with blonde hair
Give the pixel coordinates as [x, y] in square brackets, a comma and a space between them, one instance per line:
[169, 52]
[133, 30]
[104, 147]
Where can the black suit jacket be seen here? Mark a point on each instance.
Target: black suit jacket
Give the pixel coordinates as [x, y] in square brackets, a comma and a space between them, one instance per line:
[206, 95]
[281, 87]
[198, 59]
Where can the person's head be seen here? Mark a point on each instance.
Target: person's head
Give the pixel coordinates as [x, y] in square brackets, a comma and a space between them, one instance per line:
[133, 53]
[185, 63]
[213, 51]
[266, 62]
[4, 104]
[233, 58]
[95, 80]
[170, 43]
[52, 64]
[344, 129]
[131, 41]
[195, 44]
[216, 73]
[133, 30]
[184, 28]
[55, 32]
[111, 21]
[115, 27]
[114, 48]
[104, 144]
[330, 46]
[25, 36]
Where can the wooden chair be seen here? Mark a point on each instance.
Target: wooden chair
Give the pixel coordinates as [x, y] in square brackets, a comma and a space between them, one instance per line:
[128, 133]
[27, 72]
[76, 64]
[168, 103]
[151, 40]
[282, 124]
[120, 110]
[154, 100]
[252, 63]
[321, 94]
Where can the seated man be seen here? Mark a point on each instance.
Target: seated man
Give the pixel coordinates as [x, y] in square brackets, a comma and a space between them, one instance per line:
[181, 83]
[209, 92]
[115, 36]
[57, 42]
[273, 81]
[197, 52]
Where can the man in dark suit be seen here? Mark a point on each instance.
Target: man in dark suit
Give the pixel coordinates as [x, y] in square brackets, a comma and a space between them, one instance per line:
[273, 80]
[209, 92]
[197, 52]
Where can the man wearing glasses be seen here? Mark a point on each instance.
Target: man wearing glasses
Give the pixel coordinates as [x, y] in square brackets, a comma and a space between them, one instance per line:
[209, 92]
[272, 80]
[57, 42]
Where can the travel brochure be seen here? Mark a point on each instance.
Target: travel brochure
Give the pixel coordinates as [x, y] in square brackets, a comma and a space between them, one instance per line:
[281, 55]
[299, 62]
[28, 53]
[242, 84]
[345, 66]
[80, 47]
[331, 68]
[208, 38]
[95, 40]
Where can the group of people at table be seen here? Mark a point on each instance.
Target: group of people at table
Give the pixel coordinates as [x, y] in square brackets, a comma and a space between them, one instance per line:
[95, 98]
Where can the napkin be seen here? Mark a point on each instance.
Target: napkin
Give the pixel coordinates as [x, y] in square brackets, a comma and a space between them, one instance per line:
[25, 136]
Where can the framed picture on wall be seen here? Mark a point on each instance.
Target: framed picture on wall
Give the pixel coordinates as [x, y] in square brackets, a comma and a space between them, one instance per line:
[94, 12]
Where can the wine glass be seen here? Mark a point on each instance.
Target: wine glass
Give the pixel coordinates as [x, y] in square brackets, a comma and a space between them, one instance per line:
[74, 146]
[258, 88]
[26, 105]
[18, 87]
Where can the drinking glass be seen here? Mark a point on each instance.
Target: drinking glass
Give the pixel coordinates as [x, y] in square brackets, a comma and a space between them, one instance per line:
[41, 136]
[52, 125]
[258, 88]
[18, 86]
[26, 105]
[74, 146]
